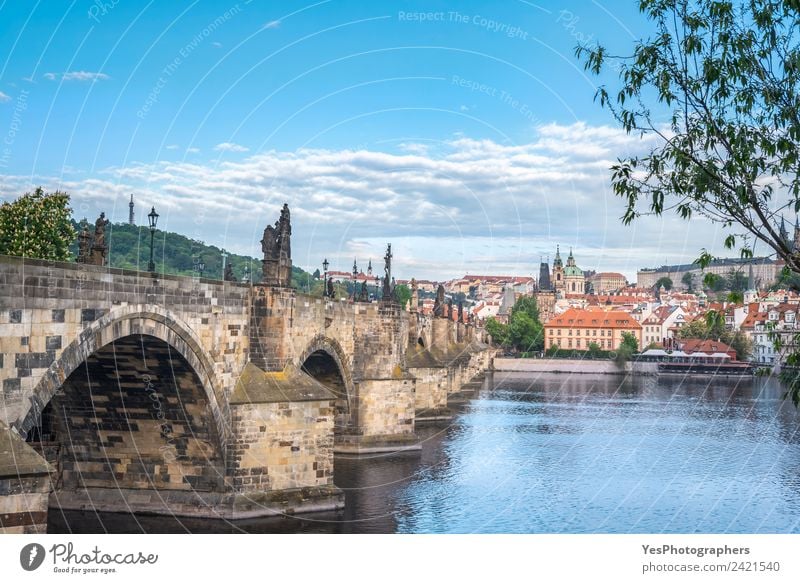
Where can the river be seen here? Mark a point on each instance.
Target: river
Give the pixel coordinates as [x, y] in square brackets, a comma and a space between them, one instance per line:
[564, 454]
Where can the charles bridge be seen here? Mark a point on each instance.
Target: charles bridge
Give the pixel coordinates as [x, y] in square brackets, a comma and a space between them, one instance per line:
[142, 392]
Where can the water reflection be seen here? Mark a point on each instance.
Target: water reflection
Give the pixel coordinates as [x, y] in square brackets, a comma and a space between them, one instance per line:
[565, 453]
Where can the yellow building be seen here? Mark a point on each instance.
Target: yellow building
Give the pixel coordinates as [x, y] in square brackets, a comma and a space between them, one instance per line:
[576, 329]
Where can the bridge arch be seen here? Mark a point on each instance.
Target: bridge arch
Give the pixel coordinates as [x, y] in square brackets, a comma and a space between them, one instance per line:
[325, 360]
[120, 323]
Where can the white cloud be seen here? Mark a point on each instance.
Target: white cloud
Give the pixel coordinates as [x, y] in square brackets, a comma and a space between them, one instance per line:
[470, 205]
[77, 76]
[216, 44]
[272, 24]
[4, 98]
[173, 147]
[229, 147]
[192, 150]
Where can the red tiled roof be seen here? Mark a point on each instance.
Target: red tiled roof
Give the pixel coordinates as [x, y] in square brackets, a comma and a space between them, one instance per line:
[575, 318]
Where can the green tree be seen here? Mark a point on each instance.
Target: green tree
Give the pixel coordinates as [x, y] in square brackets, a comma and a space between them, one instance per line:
[403, 293]
[629, 341]
[37, 225]
[664, 282]
[526, 331]
[741, 344]
[688, 280]
[498, 331]
[594, 349]
[726, 77]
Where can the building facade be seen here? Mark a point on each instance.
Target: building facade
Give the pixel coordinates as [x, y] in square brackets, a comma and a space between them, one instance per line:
[577, 329]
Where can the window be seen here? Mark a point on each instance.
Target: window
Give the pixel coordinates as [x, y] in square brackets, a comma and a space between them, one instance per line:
[570, 343]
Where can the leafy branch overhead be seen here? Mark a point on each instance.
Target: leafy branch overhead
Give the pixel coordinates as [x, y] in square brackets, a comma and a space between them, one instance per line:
[718, 88]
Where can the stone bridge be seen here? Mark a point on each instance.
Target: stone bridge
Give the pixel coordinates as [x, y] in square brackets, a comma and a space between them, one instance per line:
[143, 392]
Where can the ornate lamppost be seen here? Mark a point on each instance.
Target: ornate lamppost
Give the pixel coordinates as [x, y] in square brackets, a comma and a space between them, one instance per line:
[355, 280]
[153, 220]
[325, 265]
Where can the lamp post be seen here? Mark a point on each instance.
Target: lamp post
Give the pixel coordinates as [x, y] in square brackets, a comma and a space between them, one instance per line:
[325, 265]
[355, 280]
[224, 257]
[153, 220]
[201, 266]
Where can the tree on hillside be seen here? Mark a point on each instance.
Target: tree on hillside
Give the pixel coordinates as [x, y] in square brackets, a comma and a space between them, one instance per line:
[688, 280]
[37, 225]
[664, 282]
[726, 78]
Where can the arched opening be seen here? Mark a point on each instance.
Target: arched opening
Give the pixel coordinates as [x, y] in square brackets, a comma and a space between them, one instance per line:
[420, 342]
[134, 415]
[323, 367]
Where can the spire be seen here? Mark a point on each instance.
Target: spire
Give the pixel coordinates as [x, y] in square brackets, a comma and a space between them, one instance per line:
[130, 212]
[557, 261]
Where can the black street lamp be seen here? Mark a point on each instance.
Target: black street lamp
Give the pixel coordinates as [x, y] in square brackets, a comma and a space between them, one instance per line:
[355, 280]
[325, 265]
[153, 219]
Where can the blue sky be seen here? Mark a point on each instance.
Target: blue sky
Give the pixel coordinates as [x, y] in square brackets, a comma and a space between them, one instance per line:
[464, 132]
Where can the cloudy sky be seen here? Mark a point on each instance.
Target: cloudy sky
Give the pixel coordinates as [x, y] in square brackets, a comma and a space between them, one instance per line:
[464, 133]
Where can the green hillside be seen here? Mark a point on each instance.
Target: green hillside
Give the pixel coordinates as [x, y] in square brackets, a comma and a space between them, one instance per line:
[173, 253]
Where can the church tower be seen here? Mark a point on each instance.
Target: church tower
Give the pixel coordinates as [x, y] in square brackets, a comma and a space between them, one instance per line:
[557, 279]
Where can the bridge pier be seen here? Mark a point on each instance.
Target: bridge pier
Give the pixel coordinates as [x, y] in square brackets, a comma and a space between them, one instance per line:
[24, 486]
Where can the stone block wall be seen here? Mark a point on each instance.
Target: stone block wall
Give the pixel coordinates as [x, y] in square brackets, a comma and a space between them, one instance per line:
[282, 445]
[45, 306]
[431, 388]
[23, 504]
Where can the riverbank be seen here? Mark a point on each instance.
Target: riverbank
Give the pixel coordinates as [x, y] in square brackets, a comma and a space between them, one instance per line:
[572, 366]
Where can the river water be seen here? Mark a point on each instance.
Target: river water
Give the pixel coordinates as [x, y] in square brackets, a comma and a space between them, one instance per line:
[564, 454]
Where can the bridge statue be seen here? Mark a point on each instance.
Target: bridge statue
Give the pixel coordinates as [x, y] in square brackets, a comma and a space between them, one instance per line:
[388, 292]
[276, 246]
[84, 244]
[414, 296]
[438, 303]
[228, 276]
[363, 296]
[460, 311]
[99, 247]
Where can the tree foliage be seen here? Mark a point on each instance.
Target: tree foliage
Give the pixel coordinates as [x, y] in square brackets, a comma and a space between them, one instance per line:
[726, 76]
[37, 225]
[403, 294]
[664, 282]
[524, 331]
[712, 327]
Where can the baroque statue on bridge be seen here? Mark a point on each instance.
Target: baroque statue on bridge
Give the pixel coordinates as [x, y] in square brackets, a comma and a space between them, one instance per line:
[438, 303]
[99, 247]
[276, 247]
[84, 244]
[388, 289]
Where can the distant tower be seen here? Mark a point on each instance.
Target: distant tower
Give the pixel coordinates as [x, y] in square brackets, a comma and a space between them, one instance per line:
[369, 268]
[544, 277]
[130, 212]
[557, 279]
[796, 241]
